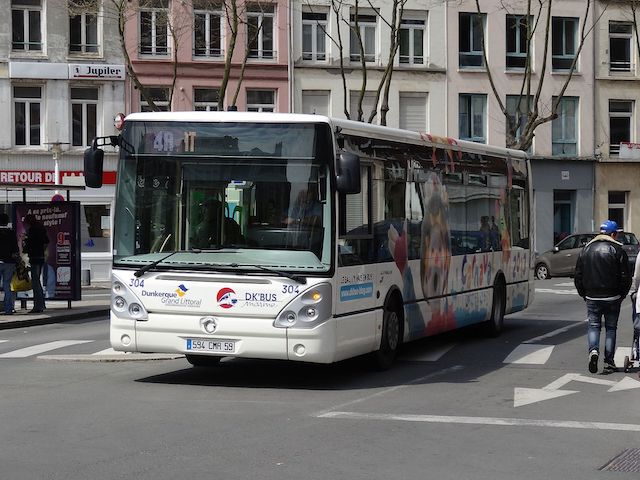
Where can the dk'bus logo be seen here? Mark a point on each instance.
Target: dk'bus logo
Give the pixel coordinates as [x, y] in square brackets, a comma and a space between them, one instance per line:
[226, 297]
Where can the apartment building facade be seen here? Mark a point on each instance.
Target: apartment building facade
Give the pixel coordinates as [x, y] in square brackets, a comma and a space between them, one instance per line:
[61, 84]
[327, 61]
[179, 52]
[617, 133]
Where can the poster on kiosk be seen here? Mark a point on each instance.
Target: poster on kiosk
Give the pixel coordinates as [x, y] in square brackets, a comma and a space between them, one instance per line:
[61, 272]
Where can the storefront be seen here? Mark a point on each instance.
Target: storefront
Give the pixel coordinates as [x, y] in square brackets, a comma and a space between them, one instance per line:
[96, 206]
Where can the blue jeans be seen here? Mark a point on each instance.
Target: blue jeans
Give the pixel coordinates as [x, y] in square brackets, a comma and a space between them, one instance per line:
[6, 272]
[36, 285]
[596, 309]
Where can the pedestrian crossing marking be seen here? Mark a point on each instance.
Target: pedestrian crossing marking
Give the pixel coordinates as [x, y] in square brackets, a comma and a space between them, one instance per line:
[530, 354]
[572, 291]
[44, 347]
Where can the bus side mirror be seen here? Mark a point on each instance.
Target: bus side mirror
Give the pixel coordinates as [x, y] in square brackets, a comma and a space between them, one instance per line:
[93, 159]
[348, 178]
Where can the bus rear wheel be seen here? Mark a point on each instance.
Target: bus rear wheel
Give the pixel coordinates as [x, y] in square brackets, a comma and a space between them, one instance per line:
[496, 322]
[384, 357]
[203, 360]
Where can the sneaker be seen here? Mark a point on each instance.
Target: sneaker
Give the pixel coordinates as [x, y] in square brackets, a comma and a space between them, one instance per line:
[609, 368]
[593, 361]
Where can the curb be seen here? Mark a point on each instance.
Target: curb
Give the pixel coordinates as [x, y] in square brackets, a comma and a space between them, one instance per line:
[46, 320]
[111, 358]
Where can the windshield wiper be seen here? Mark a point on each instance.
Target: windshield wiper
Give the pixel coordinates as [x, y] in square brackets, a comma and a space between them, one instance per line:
[144, 269]
[296, 278]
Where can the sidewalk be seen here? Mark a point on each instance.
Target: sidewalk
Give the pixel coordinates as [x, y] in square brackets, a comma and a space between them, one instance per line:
[95, 303]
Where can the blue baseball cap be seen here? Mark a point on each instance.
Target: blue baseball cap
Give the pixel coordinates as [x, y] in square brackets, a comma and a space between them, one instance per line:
[608, 226]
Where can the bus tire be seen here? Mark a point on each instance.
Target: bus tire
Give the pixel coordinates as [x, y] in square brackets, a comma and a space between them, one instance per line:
[203, 360]
[493, 326]
[391, 339]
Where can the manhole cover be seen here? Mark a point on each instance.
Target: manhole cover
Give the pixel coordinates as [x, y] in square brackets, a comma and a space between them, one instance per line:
[627, 461]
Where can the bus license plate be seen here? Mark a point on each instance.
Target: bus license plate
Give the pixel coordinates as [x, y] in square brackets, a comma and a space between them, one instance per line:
[210, 345]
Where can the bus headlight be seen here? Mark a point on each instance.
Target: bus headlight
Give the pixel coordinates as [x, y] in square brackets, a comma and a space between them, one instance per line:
[119, 303]
[308, 310]
[125, 303]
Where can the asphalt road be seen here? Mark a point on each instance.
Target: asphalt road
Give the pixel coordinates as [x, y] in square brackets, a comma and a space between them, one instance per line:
[458, 406]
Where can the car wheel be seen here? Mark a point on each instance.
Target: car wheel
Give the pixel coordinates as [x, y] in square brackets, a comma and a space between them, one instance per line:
[542, 272]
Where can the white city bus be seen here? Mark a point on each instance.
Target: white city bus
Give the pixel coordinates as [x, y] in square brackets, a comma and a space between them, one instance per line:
[307, 238]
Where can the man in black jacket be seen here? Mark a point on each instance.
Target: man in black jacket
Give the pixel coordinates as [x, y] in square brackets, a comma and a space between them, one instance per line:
[603, 279]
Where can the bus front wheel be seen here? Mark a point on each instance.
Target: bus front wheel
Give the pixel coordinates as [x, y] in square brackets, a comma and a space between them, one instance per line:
[203, 360]
[384, 357]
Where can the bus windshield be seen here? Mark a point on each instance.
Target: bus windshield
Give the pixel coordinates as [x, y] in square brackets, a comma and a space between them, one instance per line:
[219, 195]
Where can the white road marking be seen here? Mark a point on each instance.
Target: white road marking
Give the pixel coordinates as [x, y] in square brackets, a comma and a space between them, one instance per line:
[509, 422]
[526, 396]
[432, 355]
[44, 347]
[565, 284]
[530, 354]
[618, 357]
[573, 291]
[2, 341]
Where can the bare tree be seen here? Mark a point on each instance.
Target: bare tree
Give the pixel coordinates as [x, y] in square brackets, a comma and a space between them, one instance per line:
[521, 127]
[384, 82]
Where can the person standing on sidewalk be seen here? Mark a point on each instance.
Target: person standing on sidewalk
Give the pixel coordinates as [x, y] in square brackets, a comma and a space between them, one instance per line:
[34, 246]
[9, 254]
[602, 279]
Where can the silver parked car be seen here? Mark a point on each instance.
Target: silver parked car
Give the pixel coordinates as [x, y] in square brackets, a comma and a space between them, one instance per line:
[560, 261]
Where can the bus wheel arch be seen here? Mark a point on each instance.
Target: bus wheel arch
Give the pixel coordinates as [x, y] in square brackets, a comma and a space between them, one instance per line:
[495, 323]
[392, 330]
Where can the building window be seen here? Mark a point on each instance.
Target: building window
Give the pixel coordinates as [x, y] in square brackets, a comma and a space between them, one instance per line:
[518, 110]
[620, 114]
[412, 41]
[471, 119]
[314, 36]
[564, 35]
[154, 27]
[26, 24]
[564, 128]
[315, 102]
[260, 27]
[261, 100]
[95, 228]
[27, 102]
[84, 116]
[83, 27]
[413, 111]
[160, 97]
[517, 41]
[205, 99]
[618, 208]
[620, 46]
[470, 38]
[207, 29]
[363, 28]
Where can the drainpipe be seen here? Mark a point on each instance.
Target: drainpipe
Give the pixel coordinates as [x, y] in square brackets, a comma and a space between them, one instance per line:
[290, 56]
[446, 69]
[594, 98]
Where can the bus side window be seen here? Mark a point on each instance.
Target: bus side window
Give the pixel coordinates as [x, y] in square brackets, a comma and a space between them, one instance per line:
[355, 229]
